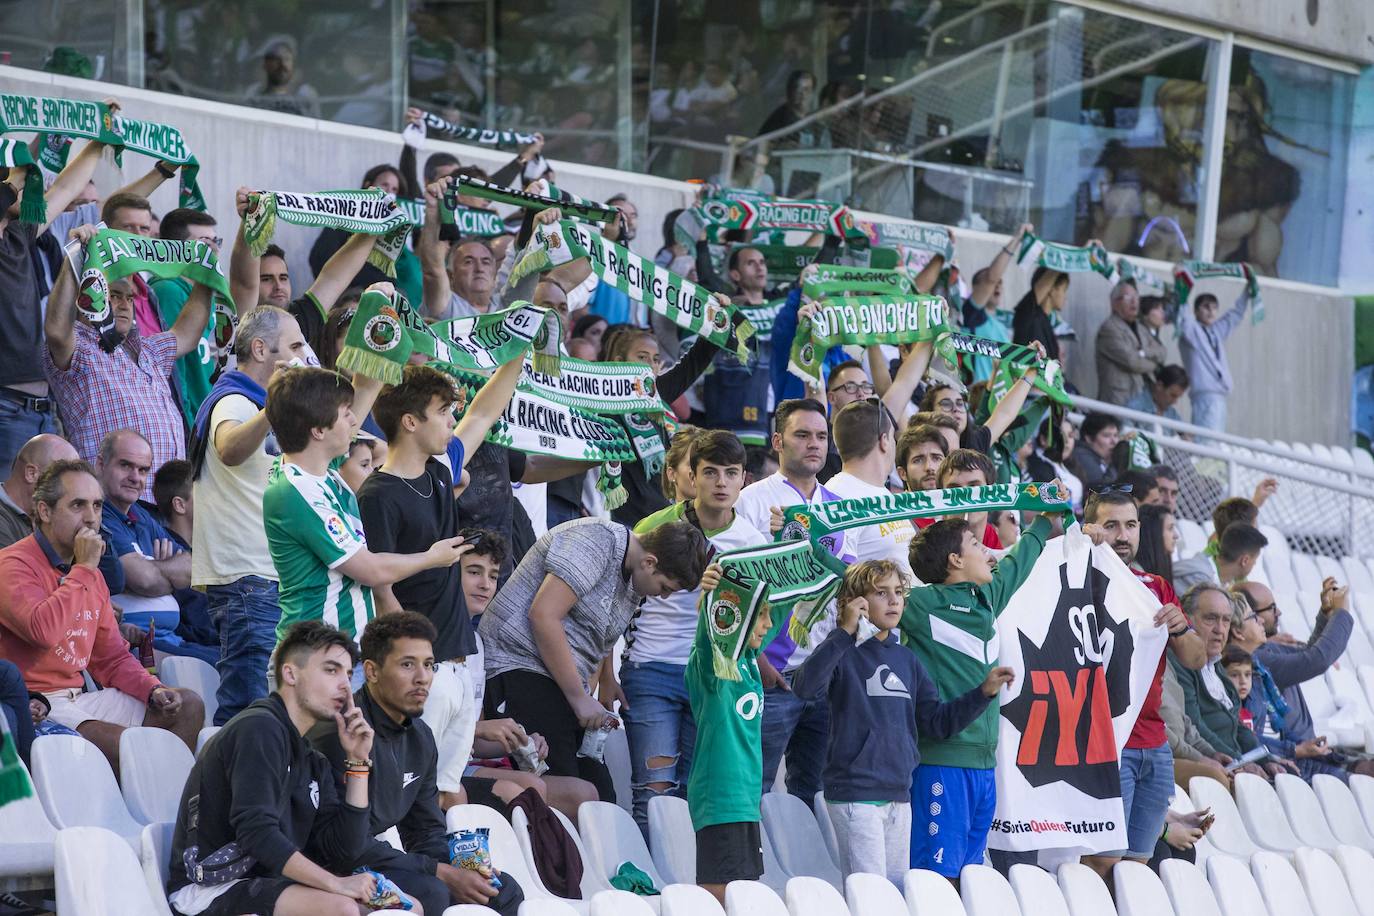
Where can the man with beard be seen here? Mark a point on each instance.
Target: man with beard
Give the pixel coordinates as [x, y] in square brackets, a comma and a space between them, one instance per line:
[1147, 765]
[1287, 664]
[920, 451]
[398, 667]
[791, 725]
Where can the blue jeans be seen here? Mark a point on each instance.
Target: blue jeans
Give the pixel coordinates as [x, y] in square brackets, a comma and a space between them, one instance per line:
[801, 730]
[658, 723]
[19, 423]
[1209, 410]
[246, 613]
[1147, 784]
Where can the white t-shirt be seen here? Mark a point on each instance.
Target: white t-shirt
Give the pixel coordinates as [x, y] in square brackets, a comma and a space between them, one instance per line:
[229, 541]
[664, 628]
[888, 541]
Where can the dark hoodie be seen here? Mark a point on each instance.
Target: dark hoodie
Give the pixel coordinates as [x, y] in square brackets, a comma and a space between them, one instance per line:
[260, 784]
[881, 701]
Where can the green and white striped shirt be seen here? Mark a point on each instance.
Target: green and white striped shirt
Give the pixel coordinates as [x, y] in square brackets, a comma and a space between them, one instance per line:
[313, 527]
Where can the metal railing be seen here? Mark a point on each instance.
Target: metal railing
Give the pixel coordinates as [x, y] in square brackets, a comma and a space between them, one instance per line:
[1321, 506]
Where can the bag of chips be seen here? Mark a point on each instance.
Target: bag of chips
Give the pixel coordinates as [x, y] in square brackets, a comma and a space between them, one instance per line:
[387, 896]
[472, 849]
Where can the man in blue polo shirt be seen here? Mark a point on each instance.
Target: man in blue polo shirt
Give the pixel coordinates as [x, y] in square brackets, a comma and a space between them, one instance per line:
[155, 566]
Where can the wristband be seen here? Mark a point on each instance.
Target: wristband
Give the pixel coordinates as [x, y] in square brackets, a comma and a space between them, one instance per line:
[165, 170]
[1165, 834]
[357, 764]
[1182, 632]
[1008, 251]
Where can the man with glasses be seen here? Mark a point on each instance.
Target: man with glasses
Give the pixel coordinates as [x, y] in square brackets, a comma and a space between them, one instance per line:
[1288, 664]
[1209, 698]
[195, 371]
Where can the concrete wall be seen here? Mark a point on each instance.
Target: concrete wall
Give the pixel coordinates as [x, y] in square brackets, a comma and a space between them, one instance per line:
[1339, 28]
[1293, 371]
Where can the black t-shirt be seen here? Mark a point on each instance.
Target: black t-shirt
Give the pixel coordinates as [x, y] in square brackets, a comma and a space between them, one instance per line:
[310, 316]
[488, 500]
[978, 438]
[21, 324]
[408, 516]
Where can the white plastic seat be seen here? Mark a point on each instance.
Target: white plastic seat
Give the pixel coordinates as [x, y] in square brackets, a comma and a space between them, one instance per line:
[1234, 887]
[1203, 848]
[1356, 574]
[1306, 572]
[1281, 578]
[821, 809]
[1192, 539]
[155, 850]
[810, 896]
[1362, 787]
[1358, 868]
[1342, 812]
[505, 850]
[153, 767]
[797, 839]
[752, 898]
[472, 909]
[94, 870]
[619, 903]
[1330, 568]
[1188, 890]
[1035, 891]
[986, 893]
[193, 674]
[689, 900]
[61, 763]
[871, 895]
[1228, 833]
[611, 838]
[1084, 892]
[1280, 885]
[1263, 814]
[1304, 812]
[673, 840]
[774, 875]
[26, 844]
[617, 754]
[592, 881]
[1139, 891]
[204, 735]
[1326, 888]
[542, 906]
[931, 894]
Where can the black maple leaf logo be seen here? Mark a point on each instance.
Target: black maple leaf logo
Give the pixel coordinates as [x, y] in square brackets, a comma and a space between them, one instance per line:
[1070, 694]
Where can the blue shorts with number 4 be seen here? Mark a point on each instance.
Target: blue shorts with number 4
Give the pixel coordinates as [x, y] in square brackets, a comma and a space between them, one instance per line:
[951, 811]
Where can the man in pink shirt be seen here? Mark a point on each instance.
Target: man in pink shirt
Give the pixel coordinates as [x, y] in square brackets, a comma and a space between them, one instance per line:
[56, 621]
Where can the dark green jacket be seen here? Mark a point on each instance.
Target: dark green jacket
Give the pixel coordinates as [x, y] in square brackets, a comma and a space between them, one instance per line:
[1219, 726]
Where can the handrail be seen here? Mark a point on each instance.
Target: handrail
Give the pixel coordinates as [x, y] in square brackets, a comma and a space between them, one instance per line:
[1200, 432]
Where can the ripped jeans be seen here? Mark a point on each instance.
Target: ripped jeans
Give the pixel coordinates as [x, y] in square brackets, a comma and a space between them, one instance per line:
[660, 729]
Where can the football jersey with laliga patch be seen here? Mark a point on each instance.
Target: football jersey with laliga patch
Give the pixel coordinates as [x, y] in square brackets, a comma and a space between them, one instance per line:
[953, 631]
[313, 527]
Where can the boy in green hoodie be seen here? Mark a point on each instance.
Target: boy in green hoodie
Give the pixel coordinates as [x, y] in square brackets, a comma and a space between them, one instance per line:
[951, 625]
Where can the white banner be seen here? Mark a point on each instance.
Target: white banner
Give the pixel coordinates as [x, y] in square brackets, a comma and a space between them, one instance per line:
[1080, 635]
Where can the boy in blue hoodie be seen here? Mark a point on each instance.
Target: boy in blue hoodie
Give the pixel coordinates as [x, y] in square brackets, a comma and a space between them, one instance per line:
[882, 701]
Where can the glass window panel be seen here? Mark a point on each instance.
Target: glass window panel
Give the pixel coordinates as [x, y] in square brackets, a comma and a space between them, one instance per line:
[1284, 168]
[90, 33]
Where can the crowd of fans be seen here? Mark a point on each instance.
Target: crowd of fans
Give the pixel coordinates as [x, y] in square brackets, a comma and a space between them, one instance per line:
[362, 575]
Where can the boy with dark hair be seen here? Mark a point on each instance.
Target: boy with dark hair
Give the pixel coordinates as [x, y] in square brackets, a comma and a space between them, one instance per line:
[1240, 671]
[1231, 511]
[920, 450]
[953, 787]
[965, 467]
[398, 669]
[408, 505]
[172, 494]
[262, 827]
[314, 530]
[657, 709]
[1237, 551]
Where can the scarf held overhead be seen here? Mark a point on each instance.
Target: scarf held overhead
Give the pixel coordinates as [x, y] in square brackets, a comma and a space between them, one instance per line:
[1188, 273]
[481, 135]
[735, 210]
[570, 204]
[370, 211]
[863, 320]
[1066, 259]
[113, 255]
[676, 298]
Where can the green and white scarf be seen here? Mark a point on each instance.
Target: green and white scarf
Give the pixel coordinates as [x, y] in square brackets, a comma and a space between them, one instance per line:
[1146, 282]
[786, 573]
[912, 236]
[370, 211]
[751, 211]
[832, 279]
[461, 222]
[785, 262]
[538, 426]
[16, 154]
[600, 388]
[570, 204]
[811, 523]
[863, 320]
[762, 318]
[1141, 452]
[164, 143]
[1188, 273]
[1013, 361]
[477, 134]
[676, 298]
[1066, 259]
[113, 255]
[14, 777]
